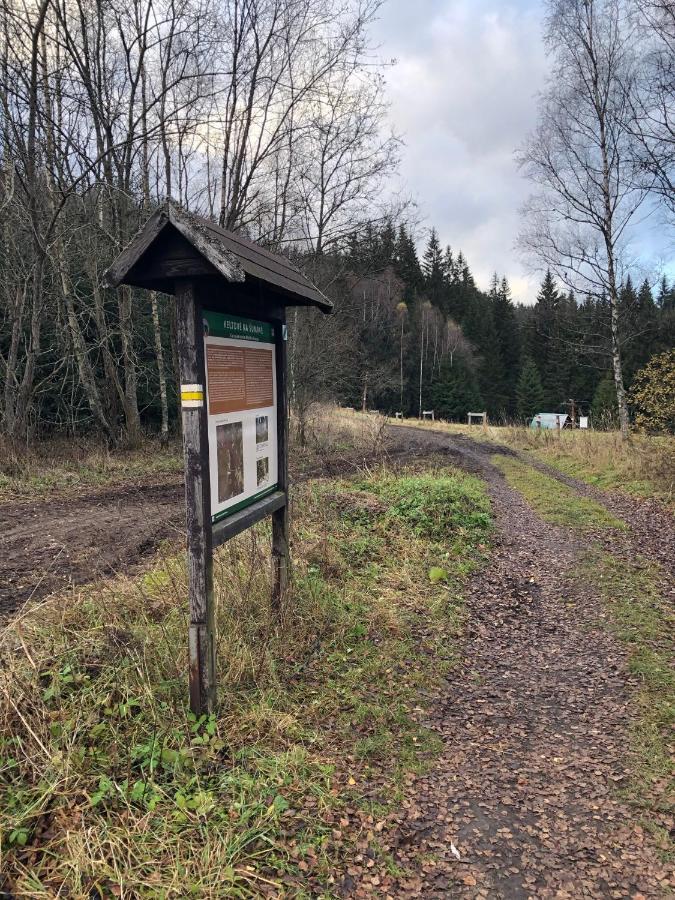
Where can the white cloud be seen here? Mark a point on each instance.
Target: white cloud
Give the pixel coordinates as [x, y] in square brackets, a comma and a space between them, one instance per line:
[464, 96]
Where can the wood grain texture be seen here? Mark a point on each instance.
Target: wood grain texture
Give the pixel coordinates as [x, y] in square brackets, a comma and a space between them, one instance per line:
[198, 505]
[281, 561]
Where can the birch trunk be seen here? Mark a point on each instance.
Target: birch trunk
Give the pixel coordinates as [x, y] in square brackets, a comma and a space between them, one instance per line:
[161, 371]
[156, 324]
[131, 413]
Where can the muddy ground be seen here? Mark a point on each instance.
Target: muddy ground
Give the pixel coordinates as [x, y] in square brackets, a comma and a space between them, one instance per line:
[525, 800]
[66, 538]
[50, 543]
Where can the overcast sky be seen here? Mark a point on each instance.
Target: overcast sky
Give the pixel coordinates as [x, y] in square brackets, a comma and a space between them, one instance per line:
[463, 95]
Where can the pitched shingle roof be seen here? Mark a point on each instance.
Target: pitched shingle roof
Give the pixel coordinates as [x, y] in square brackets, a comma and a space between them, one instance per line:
[233, 257]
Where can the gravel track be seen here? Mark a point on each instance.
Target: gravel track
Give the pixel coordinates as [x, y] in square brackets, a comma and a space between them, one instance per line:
[535, 729]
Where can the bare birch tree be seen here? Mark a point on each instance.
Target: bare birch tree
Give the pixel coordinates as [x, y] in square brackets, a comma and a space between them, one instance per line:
[347, 155]
[108, 108]
[582, 158]
[654, 102]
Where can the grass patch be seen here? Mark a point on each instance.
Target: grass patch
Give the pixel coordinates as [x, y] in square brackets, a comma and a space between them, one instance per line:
[642, 466]
[109, 786]
[553, 501]
[645, 623]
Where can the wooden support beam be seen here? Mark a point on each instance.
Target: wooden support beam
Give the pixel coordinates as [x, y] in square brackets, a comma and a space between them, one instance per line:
[201, 643]
[280, 517]
[245, 518]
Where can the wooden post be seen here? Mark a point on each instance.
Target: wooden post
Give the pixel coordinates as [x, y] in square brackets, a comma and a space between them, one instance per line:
[192, 370]
[280, 519]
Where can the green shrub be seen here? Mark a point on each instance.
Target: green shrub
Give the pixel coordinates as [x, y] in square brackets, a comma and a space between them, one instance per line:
[653, 394]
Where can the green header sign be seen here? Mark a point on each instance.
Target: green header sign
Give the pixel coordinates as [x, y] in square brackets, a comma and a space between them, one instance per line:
[222, 325]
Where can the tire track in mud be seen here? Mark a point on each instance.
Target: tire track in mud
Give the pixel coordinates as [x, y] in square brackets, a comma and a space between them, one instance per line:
[50, 543]
[46, 545]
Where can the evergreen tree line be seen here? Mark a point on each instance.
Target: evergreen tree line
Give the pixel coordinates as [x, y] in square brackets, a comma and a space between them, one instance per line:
[422, 335]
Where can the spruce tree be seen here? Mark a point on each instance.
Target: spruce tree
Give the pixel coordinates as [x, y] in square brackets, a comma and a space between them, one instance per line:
[604, 409]
[542, 322]
[407, 264]
[645, 331]
[448, 265]
[529, 392]
[627, 297]
[455, 392]
[491, 369]
[432, 267]
[550, 341]
[508, 337]
[432, 261]
[387, 246]
[666, 297]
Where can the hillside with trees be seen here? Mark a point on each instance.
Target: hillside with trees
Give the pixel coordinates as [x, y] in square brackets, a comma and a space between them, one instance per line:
[276, 126]
[415, 334]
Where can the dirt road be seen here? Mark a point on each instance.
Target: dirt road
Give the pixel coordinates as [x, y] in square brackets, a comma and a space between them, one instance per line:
[535, 730]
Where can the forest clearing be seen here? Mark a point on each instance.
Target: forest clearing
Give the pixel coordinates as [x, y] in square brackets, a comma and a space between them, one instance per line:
[337, 449]
[476, 654]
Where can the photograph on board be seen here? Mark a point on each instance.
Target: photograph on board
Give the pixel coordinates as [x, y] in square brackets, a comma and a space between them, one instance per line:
[230, 460]
[263, 469]
[261, 430]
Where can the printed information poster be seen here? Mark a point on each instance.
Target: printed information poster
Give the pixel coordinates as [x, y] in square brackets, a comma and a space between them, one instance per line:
[241, 394]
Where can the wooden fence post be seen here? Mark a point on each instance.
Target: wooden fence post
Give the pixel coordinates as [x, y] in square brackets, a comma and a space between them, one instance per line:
[192, 370]
[280, 518]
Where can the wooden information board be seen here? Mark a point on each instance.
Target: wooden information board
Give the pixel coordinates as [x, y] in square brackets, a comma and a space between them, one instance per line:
[231, 299]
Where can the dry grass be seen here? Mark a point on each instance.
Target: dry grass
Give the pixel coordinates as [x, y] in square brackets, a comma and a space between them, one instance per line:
[441, 425]
[334, 437]
[108, 787]
[643, 466]
[334, 427]
[337, 440]
[72, 464]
